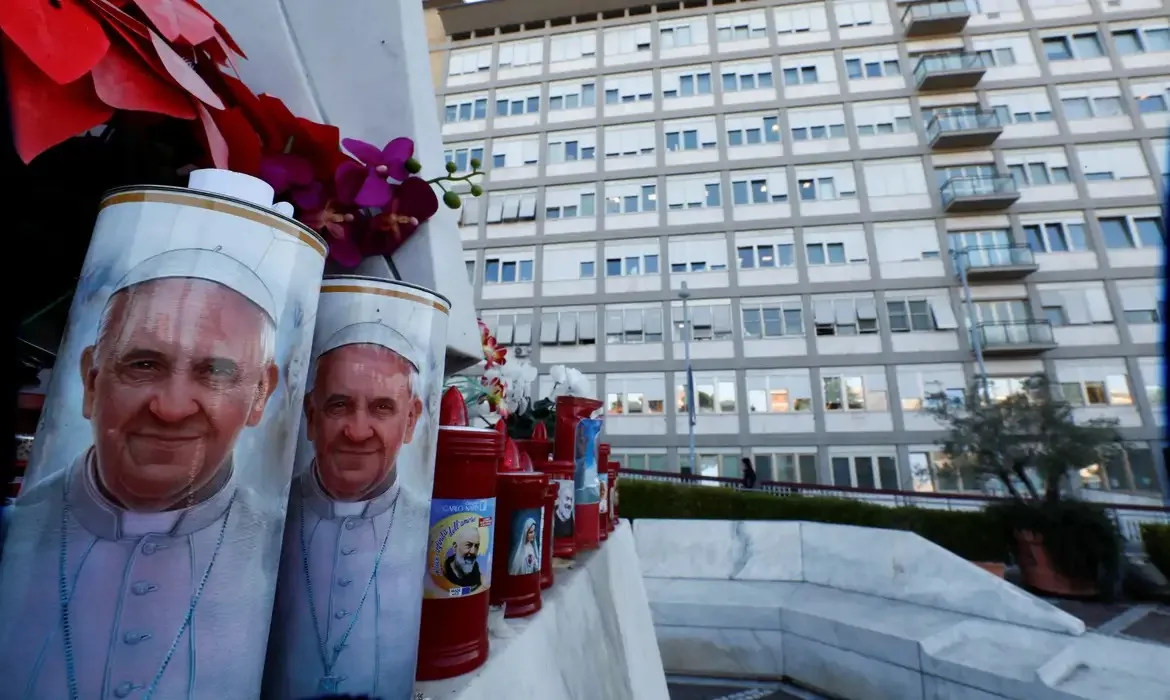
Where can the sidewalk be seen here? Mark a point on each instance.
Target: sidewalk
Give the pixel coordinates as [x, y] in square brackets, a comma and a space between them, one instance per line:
[1144, 622]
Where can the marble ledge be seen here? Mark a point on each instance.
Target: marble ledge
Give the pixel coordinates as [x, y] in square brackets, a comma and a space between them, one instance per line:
[593, 638]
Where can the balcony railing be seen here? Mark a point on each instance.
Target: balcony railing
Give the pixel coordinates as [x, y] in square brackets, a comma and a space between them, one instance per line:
[993, 188]
[1014, 334]
[951, 70]
[954, 126]
[984, 257]
[948, 16]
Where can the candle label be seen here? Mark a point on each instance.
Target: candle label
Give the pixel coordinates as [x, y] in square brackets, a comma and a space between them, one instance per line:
[459, 556]
[563, 515]
[603, 501]
[524, 552]
[585, 462]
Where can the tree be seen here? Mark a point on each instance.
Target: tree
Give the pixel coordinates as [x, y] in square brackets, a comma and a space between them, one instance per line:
[1032, 431]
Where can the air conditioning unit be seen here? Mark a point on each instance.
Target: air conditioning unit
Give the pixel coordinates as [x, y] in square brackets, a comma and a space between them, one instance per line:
[521, 351]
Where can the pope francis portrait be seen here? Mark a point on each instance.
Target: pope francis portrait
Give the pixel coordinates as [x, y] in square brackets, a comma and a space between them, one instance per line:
[140, 570]
[343, 622]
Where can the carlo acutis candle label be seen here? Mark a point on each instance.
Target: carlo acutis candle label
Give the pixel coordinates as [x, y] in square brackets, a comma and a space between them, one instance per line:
[524, 553]
[563, 515]
[459, 556]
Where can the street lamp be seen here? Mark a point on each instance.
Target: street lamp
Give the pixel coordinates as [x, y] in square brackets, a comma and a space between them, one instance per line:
[684, 294]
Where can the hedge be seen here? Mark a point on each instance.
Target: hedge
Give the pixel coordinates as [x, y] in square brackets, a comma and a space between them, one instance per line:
[969, 534]
[1155, 537]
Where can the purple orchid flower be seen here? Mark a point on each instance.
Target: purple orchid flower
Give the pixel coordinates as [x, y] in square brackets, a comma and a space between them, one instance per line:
[365, 183]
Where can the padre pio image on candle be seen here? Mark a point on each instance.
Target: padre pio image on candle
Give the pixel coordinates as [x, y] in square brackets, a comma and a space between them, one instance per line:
[459, 556]
[351, 574]
[141, 556]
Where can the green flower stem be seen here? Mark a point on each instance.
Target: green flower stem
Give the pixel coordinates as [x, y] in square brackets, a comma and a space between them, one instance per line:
[447, 178]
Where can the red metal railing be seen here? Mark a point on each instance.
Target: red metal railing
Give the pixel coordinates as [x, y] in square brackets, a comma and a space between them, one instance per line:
[1129, 518]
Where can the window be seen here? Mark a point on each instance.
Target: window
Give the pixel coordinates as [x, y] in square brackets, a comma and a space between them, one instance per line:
[690, 136]
[749, 131]
[847, 392]
[571, 150]
[825, 254]
[571, 47]
[510, 328]
[466, 110]
[766, 255]
[1131, 469]
[787, 468]
[1075, 304]
[1021, 106]
[800, 75]
[865, 472]
[1141, 302]
[740, 26]
[932, 471]
[822, 189]
[845, 316]
[1135, 41]
[643, 462]
[627, 40]
[470, 264]
[693, 192]
[1036, 174]
[1151, 103]
[864, 69]
[588, 269]
[713, 394]
[568, 328]
[624, 198]
[1055, 237]
[1122, 232]
[497, 271]
[630, 140]
[516, 103]
[674, 36]
[998, 58]
[800, 19]
[861, 13]
[1091, 101]
[515, 153]
[772, 320]
[1082, 45]
[761, 190]
[686, 84]
[462, 156]
[625, 266]
[1108, 390]
[470, 61]
[628, 89]
[562, 96]
[509, 207]
[817, 124]
[738, 78]
[912, 314]
[709, 322]
[924, 386]
[633, 326]
[635, 395]
[880, 118]
[780, 392]
[569, 203]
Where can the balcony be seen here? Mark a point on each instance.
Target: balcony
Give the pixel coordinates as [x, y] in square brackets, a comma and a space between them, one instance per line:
[973, 129]
[1015, 338]
[964, 194]
[957, 70]
[935, 18]
[1001, 262]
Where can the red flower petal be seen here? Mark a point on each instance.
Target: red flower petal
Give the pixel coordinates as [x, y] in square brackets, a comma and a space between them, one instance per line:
[416, 198]
[184, 74]
[175, 20]
[242, 140]
[64, 42]
[122, 81]
[43, 112]
[216, 145]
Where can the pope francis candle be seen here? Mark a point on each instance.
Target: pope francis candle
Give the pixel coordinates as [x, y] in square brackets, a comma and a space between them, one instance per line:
[141, 557]
[351, 576]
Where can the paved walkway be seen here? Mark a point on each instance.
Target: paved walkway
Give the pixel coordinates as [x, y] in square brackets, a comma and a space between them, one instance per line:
[1144, 622]
[687, 688]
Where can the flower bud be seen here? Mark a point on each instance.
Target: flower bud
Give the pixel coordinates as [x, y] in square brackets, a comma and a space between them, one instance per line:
[475, 163]
[412, 166]
[451, 167]
[451, 200]
[476, 190]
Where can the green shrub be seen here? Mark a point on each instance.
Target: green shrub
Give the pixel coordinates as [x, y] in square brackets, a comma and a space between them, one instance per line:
[969, 534]
[1157, 540]
[1080, 538]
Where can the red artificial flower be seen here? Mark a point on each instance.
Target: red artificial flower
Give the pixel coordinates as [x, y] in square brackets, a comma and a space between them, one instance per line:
[411, 203]
[70, 64]
[493, 354]
[495, 395]
[340, 228]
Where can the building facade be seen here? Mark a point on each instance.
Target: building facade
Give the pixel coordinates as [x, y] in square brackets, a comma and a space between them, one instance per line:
[816, 173]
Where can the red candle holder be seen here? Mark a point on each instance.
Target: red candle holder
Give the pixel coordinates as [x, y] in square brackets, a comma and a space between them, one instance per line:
[603, 450]
[570, 410]
[453, 637]
[546, 543]
[564, 518]
[615, 495]
[516, 563]
[587, 474]
[538, 451]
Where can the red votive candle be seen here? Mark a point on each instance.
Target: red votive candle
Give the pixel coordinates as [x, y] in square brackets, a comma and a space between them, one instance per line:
[517, 549]
[546, 542]
[564, 517]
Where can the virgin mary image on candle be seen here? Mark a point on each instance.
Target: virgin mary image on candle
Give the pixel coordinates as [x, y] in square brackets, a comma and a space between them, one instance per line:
[524, 557]
[141, 560]
[342, 622]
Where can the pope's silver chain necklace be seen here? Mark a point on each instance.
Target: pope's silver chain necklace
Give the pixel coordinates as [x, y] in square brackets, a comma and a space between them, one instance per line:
[329, 683]
[65, 597]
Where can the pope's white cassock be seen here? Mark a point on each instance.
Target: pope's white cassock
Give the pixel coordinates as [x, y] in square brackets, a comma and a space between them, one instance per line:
[172, 605]
[130, 579]
[351, 574]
